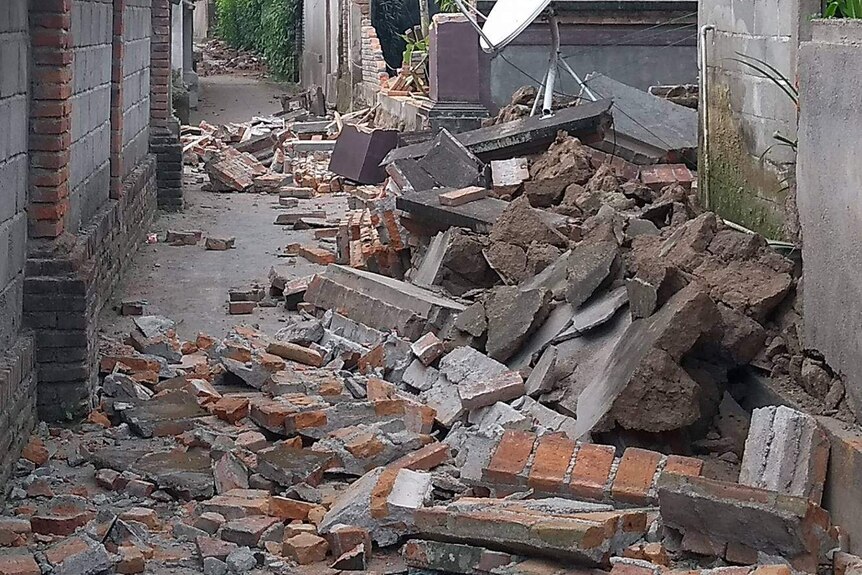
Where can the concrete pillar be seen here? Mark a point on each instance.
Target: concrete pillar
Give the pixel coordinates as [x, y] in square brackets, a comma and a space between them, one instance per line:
[177, 13]
[455, 74]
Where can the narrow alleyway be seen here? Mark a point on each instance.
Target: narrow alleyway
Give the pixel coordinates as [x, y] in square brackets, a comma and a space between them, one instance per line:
[190, 284]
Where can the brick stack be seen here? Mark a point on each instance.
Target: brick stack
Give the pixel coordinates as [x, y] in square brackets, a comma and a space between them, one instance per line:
[51, 115]
[556, 465]
[164, 143]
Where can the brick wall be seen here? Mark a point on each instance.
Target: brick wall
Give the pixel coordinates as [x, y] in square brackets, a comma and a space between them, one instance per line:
[92, 182]
[164, 142]
[17, 383]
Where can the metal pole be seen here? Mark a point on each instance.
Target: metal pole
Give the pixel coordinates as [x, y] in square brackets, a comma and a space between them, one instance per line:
[704, 113]
[425, 17]
[548, 107]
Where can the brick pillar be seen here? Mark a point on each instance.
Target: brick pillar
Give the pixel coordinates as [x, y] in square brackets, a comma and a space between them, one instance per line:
[51, 116]
[117, 100]
[164, 142]
[160, 65]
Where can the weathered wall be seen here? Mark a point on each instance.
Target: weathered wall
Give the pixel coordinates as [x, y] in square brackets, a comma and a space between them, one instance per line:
[137, 29]
[92, 192]
[14, 79]
[750, 179]
[17, 383]
[644, 57]
[830, 196]
[89, 183]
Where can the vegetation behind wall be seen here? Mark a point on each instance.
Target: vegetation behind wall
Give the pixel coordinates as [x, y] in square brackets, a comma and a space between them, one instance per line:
[272, 28]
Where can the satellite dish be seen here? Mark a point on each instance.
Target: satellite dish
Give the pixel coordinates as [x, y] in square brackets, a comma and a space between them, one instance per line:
[507, 20]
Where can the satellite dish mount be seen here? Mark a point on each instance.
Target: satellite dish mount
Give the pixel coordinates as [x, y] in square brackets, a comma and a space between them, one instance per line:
[507, 21]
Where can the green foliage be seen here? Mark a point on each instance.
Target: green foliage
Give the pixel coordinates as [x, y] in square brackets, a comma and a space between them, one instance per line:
[843, 9]
[447, 5]
[269, 27]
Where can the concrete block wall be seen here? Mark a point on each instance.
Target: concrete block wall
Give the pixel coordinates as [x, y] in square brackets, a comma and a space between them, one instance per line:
[137, 29]
[14, 90]
[750, 180]
[17, 376]
[829, 177]
[92, 47]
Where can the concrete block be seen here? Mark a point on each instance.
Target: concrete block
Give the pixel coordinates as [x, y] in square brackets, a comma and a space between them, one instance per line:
[786, 451]
[769, 522]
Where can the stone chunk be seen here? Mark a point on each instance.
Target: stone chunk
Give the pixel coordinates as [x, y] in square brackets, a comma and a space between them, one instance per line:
[220, 244]
[513, 315]
[287, 465]
[454, 558]
[241, 560]
[247, 532]
[209, 547]
[590, 267]
[306, 548]
[786, 451]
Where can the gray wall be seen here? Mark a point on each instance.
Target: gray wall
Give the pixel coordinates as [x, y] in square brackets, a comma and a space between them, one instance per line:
[89, 180]
[669, 57]
[14, 88]
[750, 180]
[830, 196]
[137, 22]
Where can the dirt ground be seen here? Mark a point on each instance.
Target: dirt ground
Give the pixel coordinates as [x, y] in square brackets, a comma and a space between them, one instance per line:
[190, 284]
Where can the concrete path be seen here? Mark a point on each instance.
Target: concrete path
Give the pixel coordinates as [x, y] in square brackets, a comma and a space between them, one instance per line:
[190, 284]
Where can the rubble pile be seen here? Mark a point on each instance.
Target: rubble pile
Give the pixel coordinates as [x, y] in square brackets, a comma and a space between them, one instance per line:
[519, 359]
[218, 58]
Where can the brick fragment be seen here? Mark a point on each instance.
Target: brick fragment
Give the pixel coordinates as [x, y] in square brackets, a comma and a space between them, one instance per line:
[246, 532]
[144, 515]
[427, 348]
[231, 409]
[241, 307]
[306, 548]
[132, 561]
[19, 564]
[680, 465]
[343, 538]
[317, 255]
[482, 392]
[36, 452]
[297, 353]
[463, 196]
[219, 244]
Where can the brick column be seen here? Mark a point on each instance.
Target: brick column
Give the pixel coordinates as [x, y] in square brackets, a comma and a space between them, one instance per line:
[160, 65]
[117, 101]
[51, 116]
[164, 142]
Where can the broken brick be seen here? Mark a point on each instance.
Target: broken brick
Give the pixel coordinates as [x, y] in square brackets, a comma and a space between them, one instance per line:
[231, 409]
[463, 196]
[246, 532]
[306, 548]
[19, 564]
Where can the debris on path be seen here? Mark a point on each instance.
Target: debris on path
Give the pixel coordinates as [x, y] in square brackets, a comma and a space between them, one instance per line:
[531, 370]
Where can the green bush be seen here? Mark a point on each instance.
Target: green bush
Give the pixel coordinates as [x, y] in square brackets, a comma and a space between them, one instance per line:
[269, 27]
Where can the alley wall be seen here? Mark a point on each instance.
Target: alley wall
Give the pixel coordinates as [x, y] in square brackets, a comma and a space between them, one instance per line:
[17, 384]
[89, 184]
[749, 178]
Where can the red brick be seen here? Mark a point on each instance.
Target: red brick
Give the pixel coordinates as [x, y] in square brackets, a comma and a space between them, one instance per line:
[591, 471]
[635, 476]
[317, 255]
[231, 409]
[36, 452]
[424, 459]
[46, 91]
[48, 37]
[23, 564]
[51, 212]
[344, 538]
[510, 458]
[241, 307]
[553, 456]
[680, 465]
